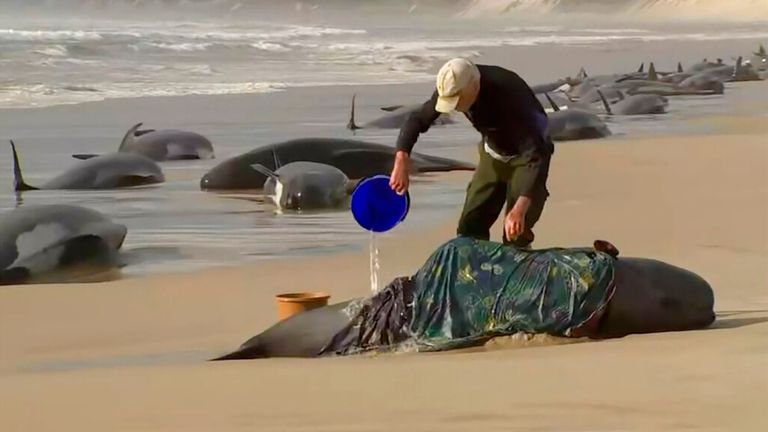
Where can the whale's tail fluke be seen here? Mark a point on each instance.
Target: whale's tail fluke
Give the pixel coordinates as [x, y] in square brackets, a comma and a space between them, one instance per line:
[266, 171]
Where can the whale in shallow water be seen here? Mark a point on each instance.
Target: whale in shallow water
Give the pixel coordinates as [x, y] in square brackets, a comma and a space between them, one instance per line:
[356, 159]
[394, 119]
[163, 144]
[306, 186]
[38, 240]
[109, 171]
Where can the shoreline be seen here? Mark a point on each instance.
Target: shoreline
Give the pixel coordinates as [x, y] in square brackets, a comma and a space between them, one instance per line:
[558, 61]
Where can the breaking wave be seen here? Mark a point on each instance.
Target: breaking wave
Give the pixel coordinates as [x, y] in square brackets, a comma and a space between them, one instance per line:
[667, 9]
[45, 95]
[56, 60]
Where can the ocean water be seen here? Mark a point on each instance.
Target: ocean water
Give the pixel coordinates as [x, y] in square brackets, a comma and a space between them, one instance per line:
[69, 59]
[133, 59]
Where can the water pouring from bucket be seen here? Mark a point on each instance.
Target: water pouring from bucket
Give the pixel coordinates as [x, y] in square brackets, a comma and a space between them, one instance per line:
[377, 208]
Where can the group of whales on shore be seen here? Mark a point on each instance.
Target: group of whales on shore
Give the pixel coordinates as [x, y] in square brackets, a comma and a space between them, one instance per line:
[305, 173]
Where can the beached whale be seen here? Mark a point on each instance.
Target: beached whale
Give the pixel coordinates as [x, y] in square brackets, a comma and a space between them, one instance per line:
[645, 296]
[394, 119]
[356, 159]
[635, 104]
[305, 186]
[651, 83]
[564, 101]
[36, 240]
[725, 73]
[109, 171]
[163, 144]
[574, 124]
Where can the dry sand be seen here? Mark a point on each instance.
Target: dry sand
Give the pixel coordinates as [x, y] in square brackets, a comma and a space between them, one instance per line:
[127, 355]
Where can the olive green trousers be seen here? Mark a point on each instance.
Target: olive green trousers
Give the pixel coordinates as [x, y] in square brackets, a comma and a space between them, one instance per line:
[495, 183]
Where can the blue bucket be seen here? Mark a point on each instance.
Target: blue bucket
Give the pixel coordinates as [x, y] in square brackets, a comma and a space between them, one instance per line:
[376, 207]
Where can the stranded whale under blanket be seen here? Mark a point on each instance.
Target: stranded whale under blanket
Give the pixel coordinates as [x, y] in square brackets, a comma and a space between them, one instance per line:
[470, 291]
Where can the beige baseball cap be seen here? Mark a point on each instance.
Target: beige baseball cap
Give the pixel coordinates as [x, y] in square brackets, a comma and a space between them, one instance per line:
[452, 78]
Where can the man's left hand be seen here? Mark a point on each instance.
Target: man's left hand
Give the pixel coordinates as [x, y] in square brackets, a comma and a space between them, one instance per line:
[514, 224]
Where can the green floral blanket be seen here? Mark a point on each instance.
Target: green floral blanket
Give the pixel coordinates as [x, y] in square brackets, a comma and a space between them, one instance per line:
[471, 290]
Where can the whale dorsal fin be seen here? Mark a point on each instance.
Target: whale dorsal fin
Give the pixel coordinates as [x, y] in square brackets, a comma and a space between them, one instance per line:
[761, 51]
[641, 68]
[605, 102]
[276, 160]
[18, 178]
[351, 125]
[679, 67]
[551, 102]
[582, 75]
[128, 137]
[652, 76]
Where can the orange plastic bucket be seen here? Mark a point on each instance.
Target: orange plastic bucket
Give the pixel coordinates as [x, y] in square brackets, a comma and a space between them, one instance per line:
[289, 304]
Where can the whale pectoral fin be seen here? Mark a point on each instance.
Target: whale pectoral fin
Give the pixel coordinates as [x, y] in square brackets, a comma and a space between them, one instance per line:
[607, 247]
[139, 133]
[266, 171]
[390, 108]
[84, 156]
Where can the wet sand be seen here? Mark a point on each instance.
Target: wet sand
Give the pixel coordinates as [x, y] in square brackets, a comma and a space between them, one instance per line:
[128, 355]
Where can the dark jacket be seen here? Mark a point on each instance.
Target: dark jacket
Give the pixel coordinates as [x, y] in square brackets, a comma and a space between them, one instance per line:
[506, 113]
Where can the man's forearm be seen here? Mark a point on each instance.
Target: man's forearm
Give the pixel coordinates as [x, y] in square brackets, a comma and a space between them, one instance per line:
[522, 204]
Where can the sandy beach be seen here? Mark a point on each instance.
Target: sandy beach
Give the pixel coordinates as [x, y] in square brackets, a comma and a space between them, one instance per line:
[128, 355]
[689, 187]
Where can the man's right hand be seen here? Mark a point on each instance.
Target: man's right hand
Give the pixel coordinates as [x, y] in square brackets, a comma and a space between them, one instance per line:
[398, 181]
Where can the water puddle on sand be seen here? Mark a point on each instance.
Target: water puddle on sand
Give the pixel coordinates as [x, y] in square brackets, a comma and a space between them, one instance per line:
[374, 259]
